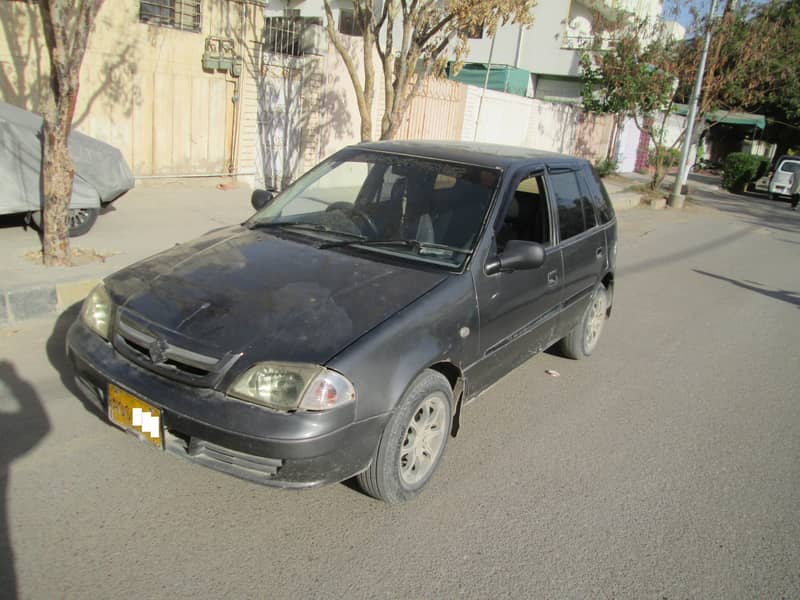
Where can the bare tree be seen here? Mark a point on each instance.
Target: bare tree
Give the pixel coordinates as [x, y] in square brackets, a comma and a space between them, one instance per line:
[430, 32]
[645, 72]
[67, 26]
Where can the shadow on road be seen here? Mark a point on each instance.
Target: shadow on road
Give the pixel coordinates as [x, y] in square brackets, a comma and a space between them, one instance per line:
[666, 259]
[752, 208]
[57, 355]
[782, 295]
[21, 428]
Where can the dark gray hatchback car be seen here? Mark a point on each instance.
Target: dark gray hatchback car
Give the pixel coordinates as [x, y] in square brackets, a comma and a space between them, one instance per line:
[339, 331]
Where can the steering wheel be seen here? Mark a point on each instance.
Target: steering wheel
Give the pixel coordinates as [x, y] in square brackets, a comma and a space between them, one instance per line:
[354, 211]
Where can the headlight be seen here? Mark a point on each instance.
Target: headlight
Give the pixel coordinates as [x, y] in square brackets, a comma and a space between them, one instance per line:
[288, 386]
[96, 311]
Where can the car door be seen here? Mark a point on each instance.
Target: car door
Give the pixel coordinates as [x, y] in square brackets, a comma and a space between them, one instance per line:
[518, 309]
[581, 241]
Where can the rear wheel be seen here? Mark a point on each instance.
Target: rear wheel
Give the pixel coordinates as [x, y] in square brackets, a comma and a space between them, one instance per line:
[582, 340]
[413, 442]
[79, 220]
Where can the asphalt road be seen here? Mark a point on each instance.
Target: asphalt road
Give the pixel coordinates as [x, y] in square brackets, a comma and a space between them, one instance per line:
[666, 466]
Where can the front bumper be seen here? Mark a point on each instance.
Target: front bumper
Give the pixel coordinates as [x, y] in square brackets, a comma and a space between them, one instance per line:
[230, 435]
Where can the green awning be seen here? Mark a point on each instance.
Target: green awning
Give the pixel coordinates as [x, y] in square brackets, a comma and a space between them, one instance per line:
[727, 116]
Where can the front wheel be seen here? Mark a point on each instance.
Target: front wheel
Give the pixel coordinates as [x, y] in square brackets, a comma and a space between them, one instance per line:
[582, 340]
[79, 220]
[413, 442]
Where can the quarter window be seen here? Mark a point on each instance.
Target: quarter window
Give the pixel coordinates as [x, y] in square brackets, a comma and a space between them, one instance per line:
[605, 210]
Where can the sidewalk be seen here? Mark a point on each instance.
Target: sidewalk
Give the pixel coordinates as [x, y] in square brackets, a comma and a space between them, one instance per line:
[153, 216]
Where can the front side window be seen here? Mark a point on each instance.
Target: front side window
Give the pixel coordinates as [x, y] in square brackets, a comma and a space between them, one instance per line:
[180, 14]
[417, 208]
[575, 215]
[526, 216]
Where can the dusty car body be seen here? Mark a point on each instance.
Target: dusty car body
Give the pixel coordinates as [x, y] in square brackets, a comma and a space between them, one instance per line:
[339, 331]
[101, 172]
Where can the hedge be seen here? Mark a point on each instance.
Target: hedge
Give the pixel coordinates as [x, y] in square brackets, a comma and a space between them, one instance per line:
[740, 169]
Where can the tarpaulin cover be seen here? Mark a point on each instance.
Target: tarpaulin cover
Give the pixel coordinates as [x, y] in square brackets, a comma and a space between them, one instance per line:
[101, 173]
[501, 77]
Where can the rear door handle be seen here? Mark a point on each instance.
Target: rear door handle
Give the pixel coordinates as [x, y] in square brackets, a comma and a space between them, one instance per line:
[598, 253]
[552, 278]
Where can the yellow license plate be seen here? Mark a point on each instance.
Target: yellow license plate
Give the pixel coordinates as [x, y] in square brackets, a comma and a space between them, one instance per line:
[135, 415]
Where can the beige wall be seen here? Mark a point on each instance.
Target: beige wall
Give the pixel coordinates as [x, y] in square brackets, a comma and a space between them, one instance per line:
[143, 88]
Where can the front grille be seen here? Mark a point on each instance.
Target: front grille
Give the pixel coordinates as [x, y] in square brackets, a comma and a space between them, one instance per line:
[147, 348]
[247, 466]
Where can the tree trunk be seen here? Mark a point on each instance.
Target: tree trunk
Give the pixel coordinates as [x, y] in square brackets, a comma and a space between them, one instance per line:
[58, 174]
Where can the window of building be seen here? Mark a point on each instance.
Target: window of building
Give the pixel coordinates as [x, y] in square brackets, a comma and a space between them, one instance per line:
[347, 23]
[575, 213]
[526, 216]
[180, 14]
[284, 35]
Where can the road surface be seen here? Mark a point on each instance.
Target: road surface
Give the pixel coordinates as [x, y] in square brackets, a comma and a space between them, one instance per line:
[665, 466]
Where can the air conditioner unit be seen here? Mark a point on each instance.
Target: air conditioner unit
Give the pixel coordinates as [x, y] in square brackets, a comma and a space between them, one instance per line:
[314, 39]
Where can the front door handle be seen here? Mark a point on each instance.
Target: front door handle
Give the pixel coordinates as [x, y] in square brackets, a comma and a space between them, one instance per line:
[552, 278]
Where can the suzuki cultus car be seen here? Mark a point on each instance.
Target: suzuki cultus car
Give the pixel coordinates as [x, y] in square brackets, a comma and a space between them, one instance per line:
[339, 331]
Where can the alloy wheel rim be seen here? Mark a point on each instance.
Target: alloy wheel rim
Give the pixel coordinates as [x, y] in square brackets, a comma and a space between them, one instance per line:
[77, 217]
[424, 440]
[597, 318]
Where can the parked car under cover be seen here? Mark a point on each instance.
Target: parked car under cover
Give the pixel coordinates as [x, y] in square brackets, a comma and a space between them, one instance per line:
[101, 173]
[339, 331]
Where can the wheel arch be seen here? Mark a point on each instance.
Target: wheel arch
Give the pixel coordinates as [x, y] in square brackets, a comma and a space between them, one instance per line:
[455, 377]
[608, 283]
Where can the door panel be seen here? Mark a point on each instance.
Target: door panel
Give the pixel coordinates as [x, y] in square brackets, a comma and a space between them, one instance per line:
[518, 310]
[518, 315]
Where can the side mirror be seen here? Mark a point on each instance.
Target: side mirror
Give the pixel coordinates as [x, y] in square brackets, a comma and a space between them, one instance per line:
[260, 198]
[518, 255]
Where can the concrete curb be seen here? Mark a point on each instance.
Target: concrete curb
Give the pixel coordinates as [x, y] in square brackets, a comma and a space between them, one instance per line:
[626, 200]
[42, 301]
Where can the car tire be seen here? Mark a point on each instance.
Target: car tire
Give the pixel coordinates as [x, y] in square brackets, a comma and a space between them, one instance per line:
[81, 220]
[582, 340]
[413, 441]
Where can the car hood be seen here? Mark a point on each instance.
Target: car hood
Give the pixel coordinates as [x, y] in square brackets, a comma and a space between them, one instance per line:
[240, 290]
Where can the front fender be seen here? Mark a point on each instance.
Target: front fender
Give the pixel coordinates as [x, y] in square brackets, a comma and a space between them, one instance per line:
[440, 326]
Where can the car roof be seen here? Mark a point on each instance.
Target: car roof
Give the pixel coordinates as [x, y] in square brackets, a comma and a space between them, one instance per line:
[474, 153]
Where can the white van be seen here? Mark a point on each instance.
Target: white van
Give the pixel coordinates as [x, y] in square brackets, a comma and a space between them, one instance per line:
[781, 180]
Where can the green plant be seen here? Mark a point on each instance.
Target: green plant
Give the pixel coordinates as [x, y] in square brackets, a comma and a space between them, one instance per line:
[669, 157]
[606, 167]
[739, 170]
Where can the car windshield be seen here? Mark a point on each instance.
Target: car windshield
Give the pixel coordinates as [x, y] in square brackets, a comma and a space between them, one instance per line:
[418, 208]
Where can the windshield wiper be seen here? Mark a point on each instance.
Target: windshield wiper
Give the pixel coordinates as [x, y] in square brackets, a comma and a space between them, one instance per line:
[415, 245]
[306, 226]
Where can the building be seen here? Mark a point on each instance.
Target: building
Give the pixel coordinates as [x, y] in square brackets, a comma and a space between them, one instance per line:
[551, 48]
[174, 85]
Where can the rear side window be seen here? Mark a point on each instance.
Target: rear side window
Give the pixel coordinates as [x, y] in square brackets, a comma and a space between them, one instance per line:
[574, 215]
[599, 196]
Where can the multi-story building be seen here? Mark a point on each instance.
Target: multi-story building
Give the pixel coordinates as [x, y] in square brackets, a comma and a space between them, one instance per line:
[550, 48]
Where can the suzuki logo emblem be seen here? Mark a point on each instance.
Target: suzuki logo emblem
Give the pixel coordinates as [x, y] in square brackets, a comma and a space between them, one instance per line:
[158, 351]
